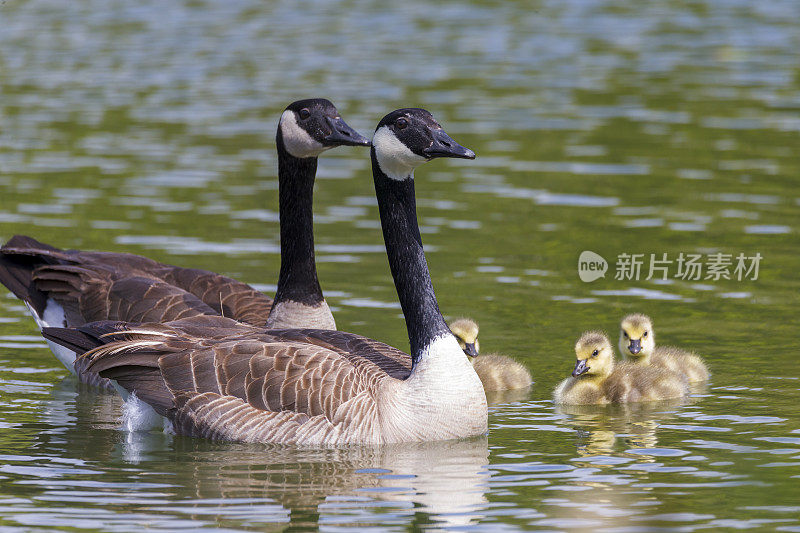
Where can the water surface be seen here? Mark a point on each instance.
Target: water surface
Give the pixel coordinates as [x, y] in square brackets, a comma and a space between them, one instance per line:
[616, 127]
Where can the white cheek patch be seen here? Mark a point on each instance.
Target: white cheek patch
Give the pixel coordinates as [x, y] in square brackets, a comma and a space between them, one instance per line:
[297, 140]
[395, 158]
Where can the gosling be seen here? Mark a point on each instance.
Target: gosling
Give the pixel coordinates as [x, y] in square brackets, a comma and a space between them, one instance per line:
[637, 342]
[596, 378]
[497, 372]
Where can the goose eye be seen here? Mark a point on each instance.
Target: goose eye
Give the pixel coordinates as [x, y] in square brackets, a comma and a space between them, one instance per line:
[594, 353]
[401, 123]
[625, 334]
[304, 113]
[645, 335]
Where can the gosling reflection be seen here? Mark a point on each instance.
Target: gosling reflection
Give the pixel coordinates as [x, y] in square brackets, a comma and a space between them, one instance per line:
[440, 483]
[613, 429]
[499, 397]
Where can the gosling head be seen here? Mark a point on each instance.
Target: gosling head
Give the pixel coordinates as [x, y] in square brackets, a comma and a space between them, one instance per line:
[466, 331]
[594, 354]
[309, 127]
[406, 138]
[636, 337]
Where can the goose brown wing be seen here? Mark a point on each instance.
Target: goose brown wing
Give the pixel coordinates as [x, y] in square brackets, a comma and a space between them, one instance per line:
[31, 270]
[394, 362]
[225, 295]
[305, 371]
[93, 294]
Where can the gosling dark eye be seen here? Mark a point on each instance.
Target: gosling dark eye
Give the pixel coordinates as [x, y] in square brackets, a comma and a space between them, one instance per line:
[304, 113]
[645, 335]
[625, 334]
[401, 123]
[594, 353]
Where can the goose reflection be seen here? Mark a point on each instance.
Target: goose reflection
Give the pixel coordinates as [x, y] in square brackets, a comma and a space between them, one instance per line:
[439, 483]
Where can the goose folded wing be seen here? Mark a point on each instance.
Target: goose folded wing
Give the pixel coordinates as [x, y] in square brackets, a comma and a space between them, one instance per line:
[90, 294]
[22, 258]
[225, 295]
[355, 348]
[267, 370]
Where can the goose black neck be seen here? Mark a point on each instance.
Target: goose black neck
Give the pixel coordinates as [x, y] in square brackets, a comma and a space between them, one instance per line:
[398, 209]
[297, 280]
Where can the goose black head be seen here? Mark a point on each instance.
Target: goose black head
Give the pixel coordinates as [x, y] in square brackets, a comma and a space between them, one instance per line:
[408, 137]
[309, 127]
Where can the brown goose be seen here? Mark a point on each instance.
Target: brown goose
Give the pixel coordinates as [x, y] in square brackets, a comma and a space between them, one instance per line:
[216, 378]
[68, 288]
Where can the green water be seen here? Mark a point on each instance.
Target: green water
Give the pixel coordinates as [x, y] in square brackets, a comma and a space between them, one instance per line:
[619, 127]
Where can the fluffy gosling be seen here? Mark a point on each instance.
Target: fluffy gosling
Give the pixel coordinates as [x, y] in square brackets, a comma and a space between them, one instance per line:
[497, 372]
[637, 342]
[597, 379]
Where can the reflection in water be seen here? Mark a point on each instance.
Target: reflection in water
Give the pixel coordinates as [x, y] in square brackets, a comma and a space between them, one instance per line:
[603, 429]
[605, 125]
[499, 397]
[440, 482]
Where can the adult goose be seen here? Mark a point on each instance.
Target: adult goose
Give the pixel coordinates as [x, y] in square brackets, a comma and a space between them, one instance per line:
[216, 378]
[69, 288]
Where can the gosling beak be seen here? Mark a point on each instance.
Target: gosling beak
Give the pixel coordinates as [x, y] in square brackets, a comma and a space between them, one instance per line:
[342, 134]
[470, 350]
[444, 146]
[580, 368]
[635, 346]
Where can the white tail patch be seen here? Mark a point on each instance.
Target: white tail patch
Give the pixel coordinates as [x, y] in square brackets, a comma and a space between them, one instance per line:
[138, 416]
[395, 158]
[54, 317]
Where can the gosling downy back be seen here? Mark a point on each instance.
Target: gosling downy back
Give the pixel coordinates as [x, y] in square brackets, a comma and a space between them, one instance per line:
[637, 343]
[216, 378]
[598, 379]
[497, 372]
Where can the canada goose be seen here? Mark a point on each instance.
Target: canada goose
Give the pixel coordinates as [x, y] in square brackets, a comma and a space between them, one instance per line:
[596, 378]
[68, 288]
[497, 372]
[213, 377]
[637, 342]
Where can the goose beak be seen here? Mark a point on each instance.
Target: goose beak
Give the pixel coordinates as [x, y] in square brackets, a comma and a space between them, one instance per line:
[342, 134]
[580, 368]
[470, 350]
[635, 346]
[444, 146]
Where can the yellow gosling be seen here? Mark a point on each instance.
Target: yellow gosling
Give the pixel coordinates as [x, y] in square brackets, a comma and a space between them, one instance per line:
[637, 342]
[497, 372]
[597, 379]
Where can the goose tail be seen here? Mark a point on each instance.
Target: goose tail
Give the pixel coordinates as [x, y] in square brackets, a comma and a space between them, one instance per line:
[19, 258]
[126, 353]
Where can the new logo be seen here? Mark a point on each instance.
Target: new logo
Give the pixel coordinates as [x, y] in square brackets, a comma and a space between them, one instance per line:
[591, 266]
